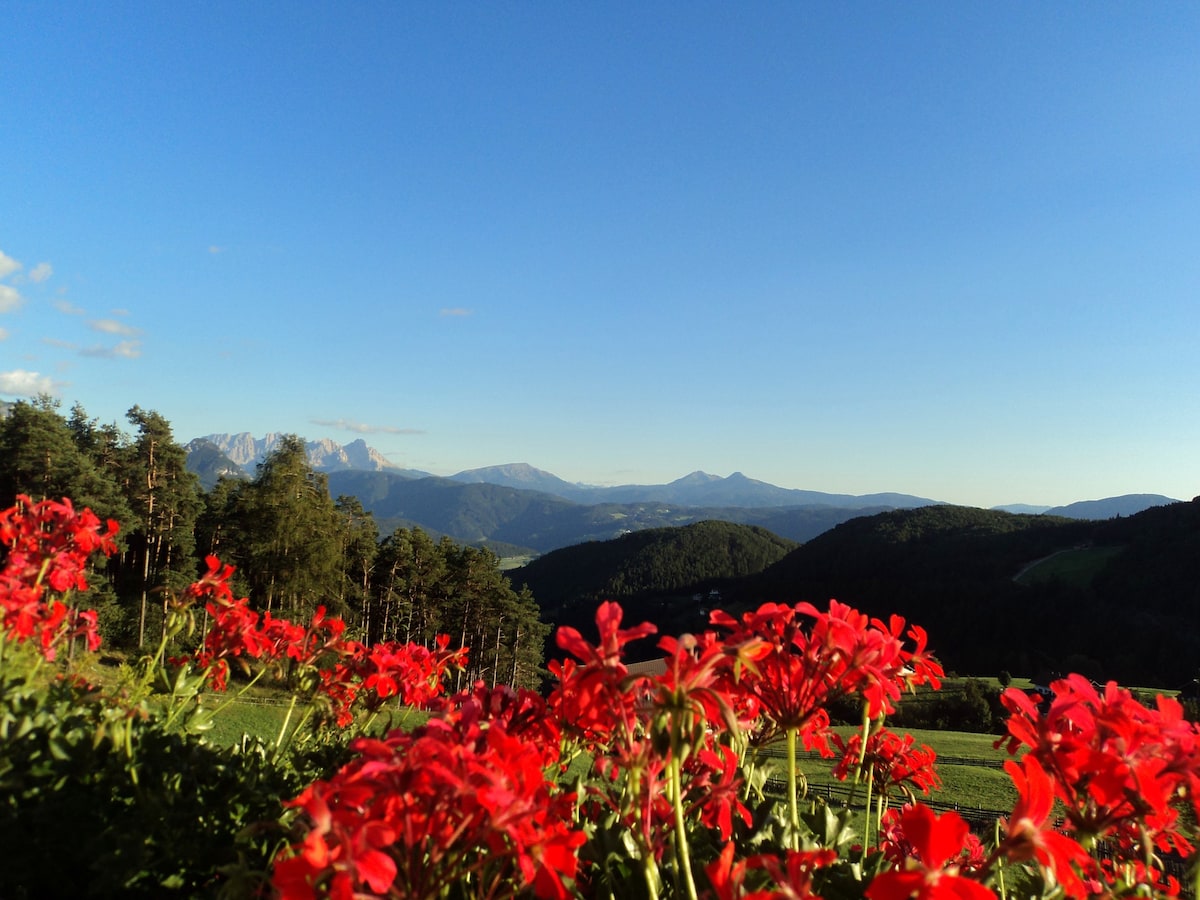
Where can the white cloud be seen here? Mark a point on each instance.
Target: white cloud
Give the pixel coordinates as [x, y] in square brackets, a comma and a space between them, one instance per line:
[8, 265]
[112, 326]
[65, 306]
[9, 298]
[25, 384]
[128, 349]
[3, 334]
[123, 350]
[59, 342]
[360, 428]
[455, 311]
[41, 272]
[215, 249]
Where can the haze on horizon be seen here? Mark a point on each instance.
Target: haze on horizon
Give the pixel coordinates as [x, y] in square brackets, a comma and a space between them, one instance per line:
[936, 249]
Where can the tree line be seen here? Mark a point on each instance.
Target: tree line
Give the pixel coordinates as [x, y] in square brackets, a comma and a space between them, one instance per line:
[295, 547]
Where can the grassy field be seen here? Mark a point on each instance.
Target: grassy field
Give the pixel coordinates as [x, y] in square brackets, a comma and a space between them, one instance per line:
[978, 786]
[262, 713]
[1073, 567]
[256, 719]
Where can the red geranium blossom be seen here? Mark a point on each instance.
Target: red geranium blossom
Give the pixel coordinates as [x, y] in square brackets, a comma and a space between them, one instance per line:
[931, 870]
[803, 670]
[1116, 765]
[892, 760]
[47, 546]
[415, 813]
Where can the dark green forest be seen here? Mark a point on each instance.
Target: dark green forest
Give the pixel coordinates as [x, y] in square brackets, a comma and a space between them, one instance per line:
[1135, 617]
[294, 545]
[663, 568]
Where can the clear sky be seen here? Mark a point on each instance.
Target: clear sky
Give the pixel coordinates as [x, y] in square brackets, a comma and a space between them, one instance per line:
[948, 249]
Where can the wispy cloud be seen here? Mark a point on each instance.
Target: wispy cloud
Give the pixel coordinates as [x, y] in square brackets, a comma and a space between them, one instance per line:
[66, 306]
[122, 350]
[25, 384]
[112, 326]
[360, 428]
[41, 272]
[60, 343]
[214, 249]
[3, 334]
[455, 311]
[8, 265]
[9, 298]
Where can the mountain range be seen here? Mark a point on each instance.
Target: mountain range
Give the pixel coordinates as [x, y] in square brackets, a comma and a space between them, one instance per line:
[244, 451]
[518, 509]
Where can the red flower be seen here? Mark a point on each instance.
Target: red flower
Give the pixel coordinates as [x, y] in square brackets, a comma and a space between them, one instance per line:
[452, 800]
[1030, 834]
[931, 869]
[1116, 765]
[793, 876]
[713, 789]
[894, 761]
[48, 546]
[594, 698]
[801, 671]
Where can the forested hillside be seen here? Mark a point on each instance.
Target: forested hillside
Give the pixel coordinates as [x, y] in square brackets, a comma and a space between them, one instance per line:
[1133, 615]
[1028, 594]
[642, 565]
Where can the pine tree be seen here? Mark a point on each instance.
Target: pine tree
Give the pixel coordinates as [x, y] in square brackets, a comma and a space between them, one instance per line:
[408, 588]
[165, 498]
[289, 532]
[39, 457]
[360, 545]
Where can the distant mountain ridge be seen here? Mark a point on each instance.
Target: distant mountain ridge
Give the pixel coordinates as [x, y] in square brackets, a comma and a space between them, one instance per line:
[524, 507]
[483, 513]
[1110, 507]
[695, 489]
[246, 451]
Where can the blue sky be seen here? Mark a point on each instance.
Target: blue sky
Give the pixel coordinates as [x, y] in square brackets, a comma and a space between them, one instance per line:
[940, 248]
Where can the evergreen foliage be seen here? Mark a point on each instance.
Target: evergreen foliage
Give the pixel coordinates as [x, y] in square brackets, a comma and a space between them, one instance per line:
[422, 588]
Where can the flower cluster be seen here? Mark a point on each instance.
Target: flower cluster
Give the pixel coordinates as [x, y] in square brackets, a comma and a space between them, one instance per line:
[462, 802]
[1120, 770]
[48, 545]
[345, 671]
[893, 762]
[842, 653]
[933, 857]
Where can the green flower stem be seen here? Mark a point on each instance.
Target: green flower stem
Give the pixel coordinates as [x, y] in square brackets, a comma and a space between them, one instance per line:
[1000, 869]
[651, 876]
[308, 711]
[793, 801]
[867, 817]
[286, 719]
[681, 842]
[862, 758]
[213, 713]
